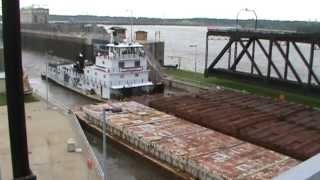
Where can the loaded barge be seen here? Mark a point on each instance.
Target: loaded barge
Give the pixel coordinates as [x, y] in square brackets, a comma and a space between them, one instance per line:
[187, 149]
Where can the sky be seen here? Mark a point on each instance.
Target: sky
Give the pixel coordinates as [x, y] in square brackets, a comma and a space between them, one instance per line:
[307, 10]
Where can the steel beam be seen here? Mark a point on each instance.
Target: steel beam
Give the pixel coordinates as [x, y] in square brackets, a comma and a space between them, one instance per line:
[311, 63]
[269, 56]
[229, 59]
[235, 52]
[251, 59]
[220, 55]
[288, 62]
[237, 60]
[15, 94]
[253, 55]
[309, 66]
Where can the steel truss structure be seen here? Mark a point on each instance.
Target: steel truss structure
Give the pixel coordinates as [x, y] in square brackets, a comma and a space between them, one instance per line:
[247, 41]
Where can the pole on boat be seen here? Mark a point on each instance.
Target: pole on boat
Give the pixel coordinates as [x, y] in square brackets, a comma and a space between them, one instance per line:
[131, 22]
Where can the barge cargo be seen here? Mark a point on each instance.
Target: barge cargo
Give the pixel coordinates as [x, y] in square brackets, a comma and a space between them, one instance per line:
[285, 127]
[201, 152]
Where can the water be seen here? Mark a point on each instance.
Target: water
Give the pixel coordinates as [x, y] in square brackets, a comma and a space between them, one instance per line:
[121, 164]
[124, 165]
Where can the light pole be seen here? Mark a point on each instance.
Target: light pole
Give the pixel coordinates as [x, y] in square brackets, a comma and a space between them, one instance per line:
[195, 55]
[131, 18]
[255, 28]
[248, 10]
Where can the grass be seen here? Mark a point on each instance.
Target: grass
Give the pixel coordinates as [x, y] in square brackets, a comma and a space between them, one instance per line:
[2, 99]
[198, 79]
[27, 99]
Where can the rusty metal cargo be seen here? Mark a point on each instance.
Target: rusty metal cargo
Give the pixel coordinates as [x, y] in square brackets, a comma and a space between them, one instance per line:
[285, 127]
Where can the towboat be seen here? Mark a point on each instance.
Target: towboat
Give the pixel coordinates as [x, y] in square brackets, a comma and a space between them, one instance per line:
[120, 70]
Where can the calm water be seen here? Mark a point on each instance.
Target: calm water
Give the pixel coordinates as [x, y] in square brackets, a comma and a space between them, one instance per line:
[121, 165]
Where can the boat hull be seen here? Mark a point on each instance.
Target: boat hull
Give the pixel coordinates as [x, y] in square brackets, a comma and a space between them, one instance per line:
[115, 94]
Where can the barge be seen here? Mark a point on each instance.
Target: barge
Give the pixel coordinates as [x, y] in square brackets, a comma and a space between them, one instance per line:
[285, 127]
[184, 147]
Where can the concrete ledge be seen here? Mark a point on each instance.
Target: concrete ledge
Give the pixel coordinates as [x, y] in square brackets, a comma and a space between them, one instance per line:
[48, 132]
[308, 170]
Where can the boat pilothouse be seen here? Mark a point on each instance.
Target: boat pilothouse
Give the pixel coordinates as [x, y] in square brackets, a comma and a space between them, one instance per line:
[120, 69]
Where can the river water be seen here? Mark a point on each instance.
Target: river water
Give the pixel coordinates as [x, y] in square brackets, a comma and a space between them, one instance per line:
[121, 165]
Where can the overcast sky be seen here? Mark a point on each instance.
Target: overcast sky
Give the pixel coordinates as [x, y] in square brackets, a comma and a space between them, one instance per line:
[266, 9]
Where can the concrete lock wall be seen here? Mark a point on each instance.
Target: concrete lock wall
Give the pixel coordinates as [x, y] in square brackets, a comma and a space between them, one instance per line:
[157, 49]
[60, 45]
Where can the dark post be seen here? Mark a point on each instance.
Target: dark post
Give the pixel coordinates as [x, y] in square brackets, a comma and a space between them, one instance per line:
[253, 54]
[286, 62]
[14, 86]
[229, 59]
[235, 54]
[269, 59]
[311, 63]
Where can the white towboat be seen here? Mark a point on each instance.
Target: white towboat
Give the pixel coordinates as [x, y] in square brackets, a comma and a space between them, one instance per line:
[120, 70]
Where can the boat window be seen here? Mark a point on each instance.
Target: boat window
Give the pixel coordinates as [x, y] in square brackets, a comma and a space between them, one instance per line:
[121, 64]
[118, 51]
[136, 63]
[125, 51]
[122, 76]
[136, 75]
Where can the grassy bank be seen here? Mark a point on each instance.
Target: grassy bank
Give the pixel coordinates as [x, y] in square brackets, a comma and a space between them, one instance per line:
[2, 99]
[198, 78]
[27, 99]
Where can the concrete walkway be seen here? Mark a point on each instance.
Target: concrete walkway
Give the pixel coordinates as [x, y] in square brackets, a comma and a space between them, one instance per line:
[48, 132]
